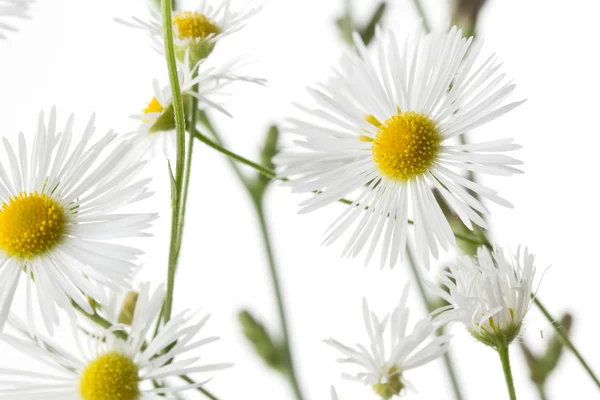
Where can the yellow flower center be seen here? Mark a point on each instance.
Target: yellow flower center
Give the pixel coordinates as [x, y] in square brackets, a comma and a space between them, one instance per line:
[193, 25]
[30, 224]
[405, 146]
[112, 376]
[154, 107]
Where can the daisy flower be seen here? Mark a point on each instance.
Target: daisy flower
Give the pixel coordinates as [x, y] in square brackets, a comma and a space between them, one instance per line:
[157, 121]
[490, 294]
[383, 132]
[197, 30]
[10, 9]
[60, 220]
[384, 362]
[122, 362]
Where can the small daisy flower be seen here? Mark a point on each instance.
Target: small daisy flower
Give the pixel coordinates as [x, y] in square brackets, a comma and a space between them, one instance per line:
[196, 31]
[384, 132]
[123, 362]
[383, 361]
[490, 294]
[11, 9]
[60, 220]
[157, 120]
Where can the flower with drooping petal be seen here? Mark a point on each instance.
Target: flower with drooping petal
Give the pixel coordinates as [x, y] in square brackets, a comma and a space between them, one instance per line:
[490, 294]
[157, 120]
[61, 220]
[383, 133]
[384, 362]
[121, 362]
[10, 10]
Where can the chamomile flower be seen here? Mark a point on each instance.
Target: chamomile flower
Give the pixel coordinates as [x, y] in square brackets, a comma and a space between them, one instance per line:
[60, 222]
[490, 294]
[384, 362]
[383, 131]
[157, 120]
[123, 362]
[197, 30]
[11, 10]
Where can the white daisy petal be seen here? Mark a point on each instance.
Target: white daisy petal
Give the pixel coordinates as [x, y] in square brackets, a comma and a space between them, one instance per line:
[10, 10]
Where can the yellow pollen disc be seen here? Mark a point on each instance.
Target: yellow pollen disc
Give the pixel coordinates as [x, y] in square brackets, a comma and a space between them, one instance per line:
[112, 376]
[405, 146]
[154, 107]
[193, 25]
[30, 224]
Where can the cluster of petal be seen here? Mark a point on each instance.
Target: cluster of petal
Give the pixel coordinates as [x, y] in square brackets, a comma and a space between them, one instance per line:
[156, 357]
[11, 9]
[229, 21]
[86, 259]
[383, 362]
[490, 294]
[434, 78]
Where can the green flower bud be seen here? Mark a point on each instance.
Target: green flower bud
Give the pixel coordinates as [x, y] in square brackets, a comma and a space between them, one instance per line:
[128, 308]
[393, 387]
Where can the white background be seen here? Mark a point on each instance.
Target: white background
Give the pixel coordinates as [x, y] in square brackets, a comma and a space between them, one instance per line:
[74, 56]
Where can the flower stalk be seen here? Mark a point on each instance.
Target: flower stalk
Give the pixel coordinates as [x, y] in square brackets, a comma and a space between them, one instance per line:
[505, 360]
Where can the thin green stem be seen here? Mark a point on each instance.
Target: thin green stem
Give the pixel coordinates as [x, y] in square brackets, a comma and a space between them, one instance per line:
[279, 298]
[421, 11]
[200, 389]
[448, 362]
[180, 163]
[505, 359]
[564, 338]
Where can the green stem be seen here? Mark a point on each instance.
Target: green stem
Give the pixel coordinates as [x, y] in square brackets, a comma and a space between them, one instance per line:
[179, 168]
[564, 338]
[200, 389]
[504, 358]
[421, 11]
[448, 362]
[541, 391]
[278, 296]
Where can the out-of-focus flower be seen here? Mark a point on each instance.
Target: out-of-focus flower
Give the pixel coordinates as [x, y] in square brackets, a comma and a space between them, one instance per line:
[60, 220]
[123, 362]
[196, 31]
[383, 133]
[10, 10]
[157, 120]
[489, 294]
[382, 362]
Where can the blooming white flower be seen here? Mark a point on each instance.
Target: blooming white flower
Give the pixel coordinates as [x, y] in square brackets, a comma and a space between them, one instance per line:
[490, 294]
[200, 29]
[10, 9]
[385, 362]
[157, 122]
[60, 220]
[116, 363]
[383, 131]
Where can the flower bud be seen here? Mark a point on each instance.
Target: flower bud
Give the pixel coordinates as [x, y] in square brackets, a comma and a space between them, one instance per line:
[128, 308]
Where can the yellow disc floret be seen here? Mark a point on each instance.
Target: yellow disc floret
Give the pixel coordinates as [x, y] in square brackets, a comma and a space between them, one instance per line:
[405, 146]
[112, 376]
[154, 107]
[193, 25]
[31, 224]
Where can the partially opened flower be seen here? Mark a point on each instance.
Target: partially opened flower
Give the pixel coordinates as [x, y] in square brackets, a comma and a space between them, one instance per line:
[123, 362]
[157, 120]
[392, 351]
[196, 31]
[11, 10]
[383, 133]
[61, 218]
[490, 294]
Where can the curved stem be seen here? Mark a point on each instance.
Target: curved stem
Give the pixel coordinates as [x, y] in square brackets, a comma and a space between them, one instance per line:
[504, 358]
[564, 338]
[200, 389]
[279, 297]
[449, 364]
[421, 11]
[179, 167]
